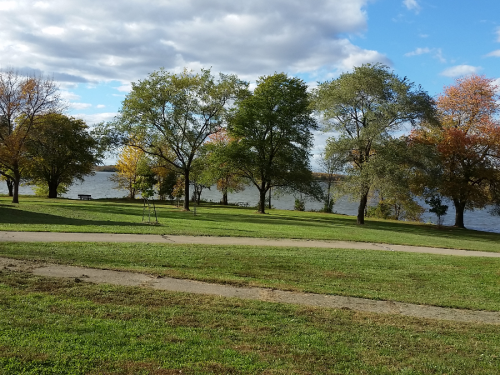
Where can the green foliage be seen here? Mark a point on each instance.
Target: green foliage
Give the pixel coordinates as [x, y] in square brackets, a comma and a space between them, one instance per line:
[42, 190]
[173, 114]
[60, 150]
[437, 207]
[299, 204]
[273, 132]
[146, 179]
[365, 108]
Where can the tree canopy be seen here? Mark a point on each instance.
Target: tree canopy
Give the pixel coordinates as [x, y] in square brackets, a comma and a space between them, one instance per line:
[365, 108]
[22, 100]
[173, 114]
[467, 142]
[273, 133]
[59, 150]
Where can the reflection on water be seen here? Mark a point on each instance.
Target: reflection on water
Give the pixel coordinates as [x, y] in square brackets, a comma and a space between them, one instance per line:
[99, 186]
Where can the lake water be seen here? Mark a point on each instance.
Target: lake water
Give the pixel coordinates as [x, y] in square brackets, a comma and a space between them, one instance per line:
[99, 186]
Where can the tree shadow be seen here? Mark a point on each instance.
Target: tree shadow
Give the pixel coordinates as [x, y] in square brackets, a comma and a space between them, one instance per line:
[14, 216]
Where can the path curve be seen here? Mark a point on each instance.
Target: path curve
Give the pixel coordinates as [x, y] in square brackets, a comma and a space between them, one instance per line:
[205, 240]
[99, 276]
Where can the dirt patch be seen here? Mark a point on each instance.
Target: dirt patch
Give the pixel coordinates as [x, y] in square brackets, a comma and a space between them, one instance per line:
[99, 276]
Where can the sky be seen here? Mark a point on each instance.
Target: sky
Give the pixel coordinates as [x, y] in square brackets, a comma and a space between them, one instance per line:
[95, 49]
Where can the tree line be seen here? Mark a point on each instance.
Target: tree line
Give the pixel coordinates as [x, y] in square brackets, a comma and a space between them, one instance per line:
[189, 130]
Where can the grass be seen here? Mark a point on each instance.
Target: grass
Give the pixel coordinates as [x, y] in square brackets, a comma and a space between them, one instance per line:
[50, 326]
[448, 281]
[120, 216]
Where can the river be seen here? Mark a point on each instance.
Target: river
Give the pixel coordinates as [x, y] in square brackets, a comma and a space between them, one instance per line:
[99, 186]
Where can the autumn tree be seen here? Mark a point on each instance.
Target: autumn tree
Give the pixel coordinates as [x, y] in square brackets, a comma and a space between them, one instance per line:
[273, 128]
[22, 100]
[177, 111]
[467, 141]
[128, 169]
[365, 109]
[59, 150]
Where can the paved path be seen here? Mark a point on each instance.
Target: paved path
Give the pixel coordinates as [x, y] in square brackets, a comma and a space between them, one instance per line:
[99, 276]
[110, 237]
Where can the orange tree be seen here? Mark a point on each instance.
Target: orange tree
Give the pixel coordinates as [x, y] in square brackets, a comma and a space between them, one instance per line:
[467, 143]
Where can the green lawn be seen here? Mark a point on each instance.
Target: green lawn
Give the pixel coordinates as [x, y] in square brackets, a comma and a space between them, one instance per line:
[449, 281]
[50, 326]
[119, 216]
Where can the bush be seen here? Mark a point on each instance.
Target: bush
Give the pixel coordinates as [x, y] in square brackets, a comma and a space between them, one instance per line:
[299, 205]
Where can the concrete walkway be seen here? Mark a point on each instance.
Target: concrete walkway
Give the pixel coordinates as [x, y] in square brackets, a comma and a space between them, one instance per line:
[146, 238]
[99, 276]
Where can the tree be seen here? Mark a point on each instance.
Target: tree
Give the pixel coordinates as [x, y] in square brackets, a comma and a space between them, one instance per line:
[127, 170]
[273, 132]
[366, 108]
[219, 170]
[22, 100]
[467, 142]
[177, 112]
[59, 150]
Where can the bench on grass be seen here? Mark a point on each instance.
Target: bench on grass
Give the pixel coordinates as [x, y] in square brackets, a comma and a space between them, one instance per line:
[85, 197]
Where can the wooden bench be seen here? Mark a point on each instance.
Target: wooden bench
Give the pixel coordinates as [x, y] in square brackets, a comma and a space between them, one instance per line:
[242, 204]
[85, 197]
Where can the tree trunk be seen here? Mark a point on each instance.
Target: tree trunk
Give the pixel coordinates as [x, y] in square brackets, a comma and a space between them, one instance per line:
[270, 192]
[224, 197]
[16, 180]
[52, 189]
[262, 201]
[10, 186]
[459, 213]
[361, 208]
[185, 207]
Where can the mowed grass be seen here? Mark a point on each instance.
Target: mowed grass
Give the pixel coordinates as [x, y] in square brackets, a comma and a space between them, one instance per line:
[118, 216]
[50, 326]
[448, 281]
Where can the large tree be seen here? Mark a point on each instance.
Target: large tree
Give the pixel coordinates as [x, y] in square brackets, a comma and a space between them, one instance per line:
[177, 112]
[22, 100]
[60, 150]
[365, 108]
[467, 142]
[273, 132]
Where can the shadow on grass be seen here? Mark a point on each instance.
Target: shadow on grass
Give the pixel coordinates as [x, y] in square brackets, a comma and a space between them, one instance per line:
[14, 216]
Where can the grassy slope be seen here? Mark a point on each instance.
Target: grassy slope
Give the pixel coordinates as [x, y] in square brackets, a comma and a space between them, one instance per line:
[51, 326]
[472, 283]
[62, 215]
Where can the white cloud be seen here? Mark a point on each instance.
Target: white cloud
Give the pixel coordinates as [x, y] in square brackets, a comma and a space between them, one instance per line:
[103, 40]
[412, 5]
[96, 117]
[498, 34]
[419, 51]
[460, 70]
[494, 53]
[436, 52]
[80, 106]
[100, 106]
[68, 95]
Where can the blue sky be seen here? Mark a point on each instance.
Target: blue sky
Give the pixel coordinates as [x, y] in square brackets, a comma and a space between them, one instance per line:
[94, 50]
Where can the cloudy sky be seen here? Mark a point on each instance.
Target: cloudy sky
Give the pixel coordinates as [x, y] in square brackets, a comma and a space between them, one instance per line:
[94, 49]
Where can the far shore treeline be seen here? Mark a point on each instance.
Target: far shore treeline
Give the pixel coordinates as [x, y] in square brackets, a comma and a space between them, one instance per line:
[178, 133]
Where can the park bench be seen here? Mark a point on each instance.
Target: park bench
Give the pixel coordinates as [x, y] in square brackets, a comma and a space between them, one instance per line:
[242, 204]
[84, 197]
